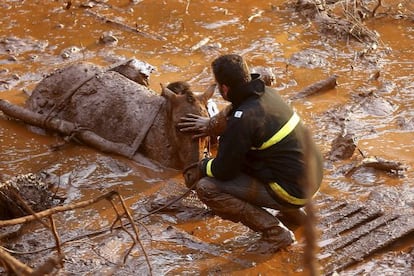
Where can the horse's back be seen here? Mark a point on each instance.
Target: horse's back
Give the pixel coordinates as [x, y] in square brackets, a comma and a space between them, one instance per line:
[103, 101]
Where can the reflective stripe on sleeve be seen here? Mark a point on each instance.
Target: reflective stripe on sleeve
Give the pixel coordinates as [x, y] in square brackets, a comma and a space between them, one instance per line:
[282, 133]
[280, 192]
[208, 168]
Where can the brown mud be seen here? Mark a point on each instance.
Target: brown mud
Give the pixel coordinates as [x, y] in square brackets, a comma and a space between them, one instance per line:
[371, 106]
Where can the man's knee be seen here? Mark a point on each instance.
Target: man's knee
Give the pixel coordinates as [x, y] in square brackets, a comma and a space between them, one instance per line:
[206, 188]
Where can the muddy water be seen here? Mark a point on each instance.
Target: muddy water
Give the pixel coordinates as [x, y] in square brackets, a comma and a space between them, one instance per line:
[38, 36]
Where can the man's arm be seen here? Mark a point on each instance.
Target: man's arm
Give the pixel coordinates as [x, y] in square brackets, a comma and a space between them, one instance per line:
[203, 126]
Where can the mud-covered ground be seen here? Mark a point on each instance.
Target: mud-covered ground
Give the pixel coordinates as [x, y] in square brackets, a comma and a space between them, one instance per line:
[371, 108]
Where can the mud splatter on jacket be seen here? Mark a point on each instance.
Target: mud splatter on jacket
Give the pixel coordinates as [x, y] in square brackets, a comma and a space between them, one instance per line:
[258, 113]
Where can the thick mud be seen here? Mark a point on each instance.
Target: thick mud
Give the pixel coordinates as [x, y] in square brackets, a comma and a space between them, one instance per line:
[368, 114]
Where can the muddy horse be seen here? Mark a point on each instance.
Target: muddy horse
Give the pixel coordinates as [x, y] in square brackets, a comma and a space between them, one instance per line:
[116, 104]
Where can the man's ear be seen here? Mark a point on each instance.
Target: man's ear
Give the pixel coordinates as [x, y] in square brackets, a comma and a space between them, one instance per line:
[224, 90]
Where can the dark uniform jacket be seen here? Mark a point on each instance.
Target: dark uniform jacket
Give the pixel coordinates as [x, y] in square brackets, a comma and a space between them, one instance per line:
[258, 113]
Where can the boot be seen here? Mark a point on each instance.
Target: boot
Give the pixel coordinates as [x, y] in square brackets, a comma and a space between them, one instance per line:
[292, 218]
[274, 234]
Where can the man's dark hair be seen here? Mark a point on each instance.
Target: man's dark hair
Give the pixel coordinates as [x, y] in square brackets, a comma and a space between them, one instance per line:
[231, 70]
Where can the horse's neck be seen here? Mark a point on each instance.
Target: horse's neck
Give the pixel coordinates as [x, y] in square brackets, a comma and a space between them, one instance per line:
[161, 123]
[158, 139]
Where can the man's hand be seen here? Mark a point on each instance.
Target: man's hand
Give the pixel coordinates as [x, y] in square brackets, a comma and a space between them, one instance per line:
[196, 124]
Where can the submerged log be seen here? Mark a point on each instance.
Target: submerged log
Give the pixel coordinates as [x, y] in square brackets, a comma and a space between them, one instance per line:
[66, 128]
[320, 86]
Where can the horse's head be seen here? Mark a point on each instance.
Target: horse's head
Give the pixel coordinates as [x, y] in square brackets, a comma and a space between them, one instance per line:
[181, 102]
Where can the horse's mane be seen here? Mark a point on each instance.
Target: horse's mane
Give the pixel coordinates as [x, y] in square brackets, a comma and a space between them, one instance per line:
[182, 88]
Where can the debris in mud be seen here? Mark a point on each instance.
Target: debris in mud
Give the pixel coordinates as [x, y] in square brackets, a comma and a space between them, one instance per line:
[266, 74]
[393, 167]
[177, 200]
[200, 44]
[125, 26]
[71, 52]
[353, 231]
[318, 87]
[346, 19]
[16, 46]
[343, 147]
[12, 265]
[16, 49]
[24, 194]
[309, 58]
[343, 20]
[108, 38]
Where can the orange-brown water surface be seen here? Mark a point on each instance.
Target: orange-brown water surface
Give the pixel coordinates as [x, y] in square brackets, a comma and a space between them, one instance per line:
[181, 38]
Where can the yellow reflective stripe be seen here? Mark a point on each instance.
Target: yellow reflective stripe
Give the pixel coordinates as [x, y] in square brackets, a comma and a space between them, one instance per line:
[280, 192]
[208, 168]
[282, 133]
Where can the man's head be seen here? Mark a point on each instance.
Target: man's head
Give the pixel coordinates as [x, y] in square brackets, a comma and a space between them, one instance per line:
[230, 71]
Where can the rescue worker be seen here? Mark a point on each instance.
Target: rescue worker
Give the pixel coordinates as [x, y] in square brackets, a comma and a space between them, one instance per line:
[260, 159]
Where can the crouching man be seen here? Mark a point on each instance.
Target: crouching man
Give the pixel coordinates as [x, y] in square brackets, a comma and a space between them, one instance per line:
[260, 158]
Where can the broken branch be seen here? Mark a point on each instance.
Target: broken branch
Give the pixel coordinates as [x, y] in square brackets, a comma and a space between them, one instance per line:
[378, 164]
[320, 86]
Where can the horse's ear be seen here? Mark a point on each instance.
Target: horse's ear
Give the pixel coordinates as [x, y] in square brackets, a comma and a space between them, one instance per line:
[167, 93]
[207, 94]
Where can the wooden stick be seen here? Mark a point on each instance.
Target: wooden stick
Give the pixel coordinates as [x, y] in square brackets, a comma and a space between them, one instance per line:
[55, 210]
[131, 220]
[187, 6]
[379, 4]
[18, 267]
[55, 234]
[320, 86]
[126, 27]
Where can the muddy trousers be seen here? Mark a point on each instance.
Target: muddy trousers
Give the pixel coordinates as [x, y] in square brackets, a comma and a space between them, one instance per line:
[274, 234]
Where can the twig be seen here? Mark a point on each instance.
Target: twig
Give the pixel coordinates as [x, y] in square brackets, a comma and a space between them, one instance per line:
[82, 204]
[55, 210]
[128, 214]
[200, 44]
[55, 234]
[27, 208]
[169, 203]
[187, 7]
[253, 16]
[126, 27]
[379, 4]
[18, 267]
[49, 213]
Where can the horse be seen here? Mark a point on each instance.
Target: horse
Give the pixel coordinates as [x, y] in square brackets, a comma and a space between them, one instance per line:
[117, 104]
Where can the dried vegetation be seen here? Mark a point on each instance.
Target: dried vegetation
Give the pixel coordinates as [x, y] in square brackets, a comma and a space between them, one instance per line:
[348, 19]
